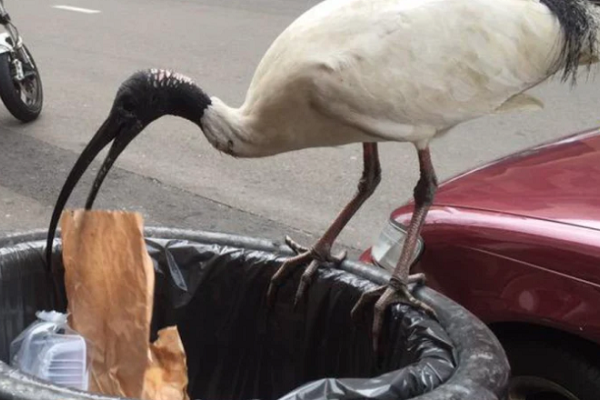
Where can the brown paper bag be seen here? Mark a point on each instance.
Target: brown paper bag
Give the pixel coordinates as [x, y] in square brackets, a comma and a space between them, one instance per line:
[166, 377]
[109, 281]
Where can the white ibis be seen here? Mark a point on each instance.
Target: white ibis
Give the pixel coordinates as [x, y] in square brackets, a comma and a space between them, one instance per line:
[366, 71]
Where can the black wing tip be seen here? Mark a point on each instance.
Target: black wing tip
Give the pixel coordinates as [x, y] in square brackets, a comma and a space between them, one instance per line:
[580, 29]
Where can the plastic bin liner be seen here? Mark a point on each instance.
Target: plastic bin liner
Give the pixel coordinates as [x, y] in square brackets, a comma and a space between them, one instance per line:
[236, 348]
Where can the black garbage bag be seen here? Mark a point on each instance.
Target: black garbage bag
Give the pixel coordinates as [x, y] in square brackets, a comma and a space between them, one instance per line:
[216, 295]
[238, 348]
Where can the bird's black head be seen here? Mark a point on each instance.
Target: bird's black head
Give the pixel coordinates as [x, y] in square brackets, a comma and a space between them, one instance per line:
[142, 98]
[151, 94]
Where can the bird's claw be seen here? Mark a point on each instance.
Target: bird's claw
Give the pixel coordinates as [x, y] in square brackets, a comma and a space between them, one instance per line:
[300, 249]
[385, 296]
[282, 274]
[305, 281]
[303, 255]
[295, 246]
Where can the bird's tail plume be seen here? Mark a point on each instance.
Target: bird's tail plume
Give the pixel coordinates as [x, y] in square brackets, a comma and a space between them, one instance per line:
[580, 23]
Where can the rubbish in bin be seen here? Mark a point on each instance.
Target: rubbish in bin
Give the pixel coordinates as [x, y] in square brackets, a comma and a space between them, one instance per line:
[49, 349]
[109, 282]
[166, 378]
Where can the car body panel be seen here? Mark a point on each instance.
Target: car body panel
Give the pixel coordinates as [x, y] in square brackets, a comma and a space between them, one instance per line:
[518, 240]
[503, 272]
[558, 181]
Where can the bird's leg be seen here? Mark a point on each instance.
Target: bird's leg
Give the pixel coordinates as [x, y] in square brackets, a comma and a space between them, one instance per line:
[321, 251]
[396, 291]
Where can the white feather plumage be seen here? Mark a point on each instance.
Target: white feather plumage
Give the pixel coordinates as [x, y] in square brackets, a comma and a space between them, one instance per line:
[351, 71]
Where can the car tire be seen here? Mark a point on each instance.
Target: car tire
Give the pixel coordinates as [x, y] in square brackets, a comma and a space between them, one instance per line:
[552, 370]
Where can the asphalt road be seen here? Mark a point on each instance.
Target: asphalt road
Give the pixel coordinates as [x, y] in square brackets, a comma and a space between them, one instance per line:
[170, 173]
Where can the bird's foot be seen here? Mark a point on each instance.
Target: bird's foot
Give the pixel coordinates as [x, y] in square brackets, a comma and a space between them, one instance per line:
[295, 246]
[313, 256]
[383, 296]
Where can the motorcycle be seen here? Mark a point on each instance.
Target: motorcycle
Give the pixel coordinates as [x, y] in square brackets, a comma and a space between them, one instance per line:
[20, 82]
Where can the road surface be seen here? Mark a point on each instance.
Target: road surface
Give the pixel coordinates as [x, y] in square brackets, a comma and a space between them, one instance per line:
[170, 173]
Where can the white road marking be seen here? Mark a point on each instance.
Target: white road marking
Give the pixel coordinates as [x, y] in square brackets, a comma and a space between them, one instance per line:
[77, 9]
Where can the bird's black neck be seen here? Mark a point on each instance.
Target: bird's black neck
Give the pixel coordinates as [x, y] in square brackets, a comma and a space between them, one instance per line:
[188, 101]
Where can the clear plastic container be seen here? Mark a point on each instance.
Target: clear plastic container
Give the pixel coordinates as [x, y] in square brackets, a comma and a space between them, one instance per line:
[50, 350]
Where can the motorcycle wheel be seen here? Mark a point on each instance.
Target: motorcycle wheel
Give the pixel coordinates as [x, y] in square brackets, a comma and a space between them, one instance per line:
[22, 99]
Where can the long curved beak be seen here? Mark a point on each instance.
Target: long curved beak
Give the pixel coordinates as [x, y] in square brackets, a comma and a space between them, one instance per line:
[110, 131]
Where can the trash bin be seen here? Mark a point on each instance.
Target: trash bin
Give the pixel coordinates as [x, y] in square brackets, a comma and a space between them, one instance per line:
[213, 287]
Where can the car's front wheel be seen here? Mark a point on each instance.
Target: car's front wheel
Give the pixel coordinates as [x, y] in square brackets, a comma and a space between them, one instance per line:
[551, 370]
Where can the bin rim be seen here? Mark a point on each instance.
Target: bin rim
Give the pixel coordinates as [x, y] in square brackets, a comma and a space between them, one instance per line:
[479, 354]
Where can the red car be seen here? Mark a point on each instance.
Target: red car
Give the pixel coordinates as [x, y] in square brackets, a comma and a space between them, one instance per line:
[517, 242]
